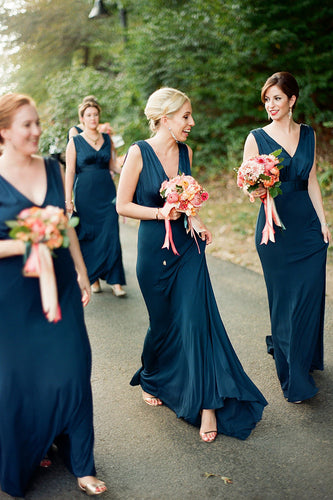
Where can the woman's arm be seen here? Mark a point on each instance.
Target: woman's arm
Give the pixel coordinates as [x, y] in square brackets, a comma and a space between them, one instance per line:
[11, 248]
[82, 276]
[72, 131]
[113, 164]
[70, 174]
[127, 185]
[317, 201]
[74, 248]
[250, 150]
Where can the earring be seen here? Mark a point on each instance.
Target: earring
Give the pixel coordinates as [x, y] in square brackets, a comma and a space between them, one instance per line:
[268, 116]
[290, 114]
[172, 134]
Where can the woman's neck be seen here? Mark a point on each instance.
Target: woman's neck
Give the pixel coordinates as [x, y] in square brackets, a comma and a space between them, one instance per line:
[164, 142]
[285, 126]
[12, 160]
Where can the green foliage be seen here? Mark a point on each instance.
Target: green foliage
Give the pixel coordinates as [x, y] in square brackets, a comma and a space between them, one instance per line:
[219, 52]
[65, 92]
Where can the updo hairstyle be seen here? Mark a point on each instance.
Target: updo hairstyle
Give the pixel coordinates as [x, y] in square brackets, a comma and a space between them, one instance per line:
[163, 102]
[285, 81]
[89, 101]
[9, 104]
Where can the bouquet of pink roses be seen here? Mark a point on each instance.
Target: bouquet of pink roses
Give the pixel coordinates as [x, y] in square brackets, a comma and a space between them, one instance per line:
[42, 230]
[265, 170]
[186, 195]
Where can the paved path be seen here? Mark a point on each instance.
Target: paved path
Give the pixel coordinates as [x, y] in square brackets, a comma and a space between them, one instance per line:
[147, 453]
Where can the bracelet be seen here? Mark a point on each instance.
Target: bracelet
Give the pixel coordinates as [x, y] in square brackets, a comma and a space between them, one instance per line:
[324, 224]
[69, 202]
[157, 213]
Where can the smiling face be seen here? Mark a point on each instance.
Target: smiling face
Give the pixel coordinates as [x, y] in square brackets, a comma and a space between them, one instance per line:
[277, 103]
[90, 118]
[24, 132]
[181, 122]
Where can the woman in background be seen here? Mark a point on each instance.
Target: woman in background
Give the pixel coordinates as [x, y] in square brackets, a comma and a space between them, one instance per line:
[90, 160]
[294, 266]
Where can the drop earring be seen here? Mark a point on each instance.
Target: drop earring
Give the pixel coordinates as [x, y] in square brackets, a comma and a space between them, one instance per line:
[173, 135]
[290, 114]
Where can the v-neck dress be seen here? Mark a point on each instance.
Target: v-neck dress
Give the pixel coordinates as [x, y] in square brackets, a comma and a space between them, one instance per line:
[187, 360]
[294, 270]
[95, 204]
[44, 367]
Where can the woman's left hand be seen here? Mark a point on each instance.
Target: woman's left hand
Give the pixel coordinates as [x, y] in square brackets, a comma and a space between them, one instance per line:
[173, 214]
[206, 236]
[84, 285]
[326, 233]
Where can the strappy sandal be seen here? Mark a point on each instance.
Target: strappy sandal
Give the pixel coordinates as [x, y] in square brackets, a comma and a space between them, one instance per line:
[149, 401]
[203, 434]
[94, 488]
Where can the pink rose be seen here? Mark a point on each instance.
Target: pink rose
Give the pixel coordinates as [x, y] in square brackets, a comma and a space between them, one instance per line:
[172, 198]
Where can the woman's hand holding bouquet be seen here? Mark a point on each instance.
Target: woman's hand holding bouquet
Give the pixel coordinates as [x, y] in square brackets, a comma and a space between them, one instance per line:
[42, 230]
[185, 195]
[262, 174]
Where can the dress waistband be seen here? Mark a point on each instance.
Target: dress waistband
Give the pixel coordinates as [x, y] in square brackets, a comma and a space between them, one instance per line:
[290, 186]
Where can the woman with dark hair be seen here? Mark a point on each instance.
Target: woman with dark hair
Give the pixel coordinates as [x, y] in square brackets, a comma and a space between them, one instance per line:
[90, 161]
[294, 266]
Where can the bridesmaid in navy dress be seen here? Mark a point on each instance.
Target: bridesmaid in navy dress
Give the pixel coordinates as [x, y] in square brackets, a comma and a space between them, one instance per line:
[90, 160]
[188, 362]
[45, 392]
[294, 266]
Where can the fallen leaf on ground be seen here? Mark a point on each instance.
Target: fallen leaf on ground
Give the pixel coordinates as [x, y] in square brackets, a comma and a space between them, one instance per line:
[226, 480]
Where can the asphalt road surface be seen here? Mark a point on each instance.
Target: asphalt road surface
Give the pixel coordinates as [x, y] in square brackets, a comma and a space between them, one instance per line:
[147, 453]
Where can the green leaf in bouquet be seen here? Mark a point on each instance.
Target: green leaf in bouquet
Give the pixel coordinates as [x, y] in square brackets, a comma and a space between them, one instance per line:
[275, 190]
[66, 241]
[277, 152]
[253, 188]
[264, 177]
[11, 223]
[73, 221]
[18, 229]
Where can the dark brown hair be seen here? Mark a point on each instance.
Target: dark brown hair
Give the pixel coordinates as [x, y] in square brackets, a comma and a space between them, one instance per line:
[285, 81]
[9, 104]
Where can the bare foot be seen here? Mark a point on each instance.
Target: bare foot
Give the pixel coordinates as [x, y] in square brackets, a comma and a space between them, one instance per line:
[91, 485]
[151, 400]
[208, 428]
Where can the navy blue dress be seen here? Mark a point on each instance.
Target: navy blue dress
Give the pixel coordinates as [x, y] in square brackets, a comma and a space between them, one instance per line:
[94, 199]
[294, 270]
[187, 360]
[44, 367]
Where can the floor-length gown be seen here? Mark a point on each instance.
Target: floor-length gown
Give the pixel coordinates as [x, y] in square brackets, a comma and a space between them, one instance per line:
[294, 270]
[188, 360]
[94, 199]
[45, 367]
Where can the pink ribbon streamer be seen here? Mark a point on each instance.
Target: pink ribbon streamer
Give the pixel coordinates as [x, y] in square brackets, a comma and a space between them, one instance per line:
[168, 237]
[39, 264]
[194, 225]
[271, 215]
